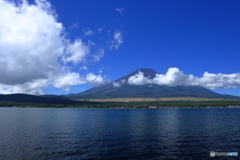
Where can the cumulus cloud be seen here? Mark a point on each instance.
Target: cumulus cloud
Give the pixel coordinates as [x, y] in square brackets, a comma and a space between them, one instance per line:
[69, 79]
[212, 81]
[117, 40]
[34, 87]
[175, 77]
[34, 49]
[72, 78]
[139, 79]
[76, 52]
[26, 43]
[95, 79]
[116, 85]
[119, 10]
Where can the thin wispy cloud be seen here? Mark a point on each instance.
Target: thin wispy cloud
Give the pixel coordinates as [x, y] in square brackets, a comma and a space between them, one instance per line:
[100, 30]
[117, 40]
[100, 70]
[88, 32]
[98, 55]
[119, 10]
[119, 83]
[75, 25]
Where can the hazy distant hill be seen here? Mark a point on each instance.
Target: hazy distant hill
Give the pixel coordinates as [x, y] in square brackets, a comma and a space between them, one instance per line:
[25, 98]
[145, 91]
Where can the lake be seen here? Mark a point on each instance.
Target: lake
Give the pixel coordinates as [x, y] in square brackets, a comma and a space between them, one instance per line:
[68, 133]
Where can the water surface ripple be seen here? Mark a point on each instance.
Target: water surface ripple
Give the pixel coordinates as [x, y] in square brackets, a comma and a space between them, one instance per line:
[44, 133]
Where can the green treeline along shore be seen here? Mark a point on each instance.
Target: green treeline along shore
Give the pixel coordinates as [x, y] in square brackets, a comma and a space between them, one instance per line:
[160, 104]
[53, 101]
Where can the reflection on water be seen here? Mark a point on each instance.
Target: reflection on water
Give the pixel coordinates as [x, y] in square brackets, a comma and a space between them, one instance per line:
[117, 133]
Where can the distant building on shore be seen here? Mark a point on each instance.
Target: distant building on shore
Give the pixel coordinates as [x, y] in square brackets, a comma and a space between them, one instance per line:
[152, 106]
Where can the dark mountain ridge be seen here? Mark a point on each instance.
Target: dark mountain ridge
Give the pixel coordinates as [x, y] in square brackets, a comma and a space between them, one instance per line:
[26, 98]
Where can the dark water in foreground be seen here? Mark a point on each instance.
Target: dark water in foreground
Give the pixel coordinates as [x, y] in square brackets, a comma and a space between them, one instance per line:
[28, 133]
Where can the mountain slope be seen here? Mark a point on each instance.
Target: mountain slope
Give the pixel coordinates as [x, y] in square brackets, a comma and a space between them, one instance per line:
[109, 86]
[145, 91]
[147, 72]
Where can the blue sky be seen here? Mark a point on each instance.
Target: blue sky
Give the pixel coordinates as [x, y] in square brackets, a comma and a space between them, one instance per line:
[104, 40]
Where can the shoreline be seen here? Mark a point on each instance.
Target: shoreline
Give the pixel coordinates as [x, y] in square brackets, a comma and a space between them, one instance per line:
[176, 107]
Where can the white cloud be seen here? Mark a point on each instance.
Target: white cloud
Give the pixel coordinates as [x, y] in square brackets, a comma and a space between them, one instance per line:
[123, 81]
[116, 85]
[117, 40]
[99, 55]
[100, 70]
[95, 79]
[138, 79]
[119, 83]
[175, 77]
[119, 10]
[32, 43]
[83, 67]
[67, 80]
[88, 32]
[34, 87]
[213, 81]
[76, 52]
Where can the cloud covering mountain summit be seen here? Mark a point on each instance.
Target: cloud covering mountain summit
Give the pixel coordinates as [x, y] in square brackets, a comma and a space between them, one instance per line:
[175, 77]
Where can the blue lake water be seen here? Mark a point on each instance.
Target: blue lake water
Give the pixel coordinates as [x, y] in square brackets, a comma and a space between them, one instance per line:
[45, 133]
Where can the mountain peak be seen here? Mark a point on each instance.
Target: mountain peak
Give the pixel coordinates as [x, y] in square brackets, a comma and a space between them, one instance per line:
[147, 72]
